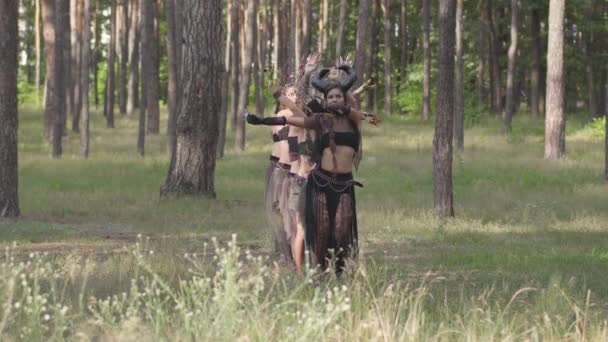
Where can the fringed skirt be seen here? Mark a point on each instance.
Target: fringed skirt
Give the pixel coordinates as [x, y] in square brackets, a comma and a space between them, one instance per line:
[275, 198]
[331, 219]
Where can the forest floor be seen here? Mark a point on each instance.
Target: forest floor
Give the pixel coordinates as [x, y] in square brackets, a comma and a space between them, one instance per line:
[521, 221]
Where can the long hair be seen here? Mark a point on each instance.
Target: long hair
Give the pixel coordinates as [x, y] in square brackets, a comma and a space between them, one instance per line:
[279, 107]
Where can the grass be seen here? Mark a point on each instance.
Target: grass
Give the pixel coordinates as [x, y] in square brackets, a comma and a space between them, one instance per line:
[526, 257]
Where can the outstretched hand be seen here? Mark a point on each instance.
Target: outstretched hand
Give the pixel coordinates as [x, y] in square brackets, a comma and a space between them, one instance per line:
[312, 61]
[252, 119]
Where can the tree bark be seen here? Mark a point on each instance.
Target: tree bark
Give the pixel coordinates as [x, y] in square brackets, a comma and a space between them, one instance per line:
[341, 23]
[388, 98]
[38, 51]
[481, 68]
[361, 42]
[84, 74]
[173, 56]
[297, 33]
[494, 63]
[404, 43]
[276, 22]
[371, 72]
[306, 26]
[134, 42]
[555, 119]
[192, 173]
[511, 87]
[235, 70]
[459, 91]
[589, 70]
[9, 178]
[536, 60]
[62, 13]
[426, 46]
[76, 60]
[260, 61]
[50, 105]
[96, 51]
[150, 65]
[442, 141]
[111, 78]
[146, 25]
[246, 74]
[124, 57]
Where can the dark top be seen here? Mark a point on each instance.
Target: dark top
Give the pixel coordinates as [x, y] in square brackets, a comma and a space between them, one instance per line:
[342, 139]
[281, 134]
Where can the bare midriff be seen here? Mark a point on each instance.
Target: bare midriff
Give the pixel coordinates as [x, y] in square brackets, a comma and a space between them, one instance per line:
[344, 159]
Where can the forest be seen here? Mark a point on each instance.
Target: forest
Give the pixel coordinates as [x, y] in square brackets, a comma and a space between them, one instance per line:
[132, 193]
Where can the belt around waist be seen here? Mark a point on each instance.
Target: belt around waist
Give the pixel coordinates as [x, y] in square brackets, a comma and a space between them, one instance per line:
[273, 158]
[284, 166]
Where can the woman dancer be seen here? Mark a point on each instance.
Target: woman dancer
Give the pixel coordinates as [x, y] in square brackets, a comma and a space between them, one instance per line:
[330, 210]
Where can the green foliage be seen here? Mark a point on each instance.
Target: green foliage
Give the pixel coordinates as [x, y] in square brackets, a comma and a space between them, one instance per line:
[27, 93]
[409, 99]
[596, 128]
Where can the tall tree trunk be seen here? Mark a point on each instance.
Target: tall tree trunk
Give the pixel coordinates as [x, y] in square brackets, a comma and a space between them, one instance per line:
[50, 101]
[322, 25]
[426, 46]
[404, 43]
[146, 28]
[371, 72]
[151, 65]
[459, 91]
[111, 78]
[510, 105]
[124, 57]
[250, 25]
[235, 70]
[494, 63]
[555, 119]
[134, 38]
[62, 12]
[197, 122]
[76, 60]
[276, 22]
[96, 51]
[481, 68]
[223, 119]
[388, 98]
[536, 55]
[306, 26]
[68, 81]
[442, 141]
[286, 61]
[260, 60]
[84, 74]
[173, 56]
[296, 11]
[9, 177]
[361, 42]
[592, 100]
[341, 23]
[38, 51]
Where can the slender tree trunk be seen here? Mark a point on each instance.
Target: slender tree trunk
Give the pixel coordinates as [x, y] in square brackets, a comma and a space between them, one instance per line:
[442, 141]
[388, 98]
[77, 43]
[96, 52]
[297, 33]
[38, 51]
[286, 61]
[426, 46]
[459, 91]
[173, 56]
[235, 53]
[481, 68]
[510, 105]
[372, 53]
[62, 13]
[276, 22]
[192, 173]
[260, 61]
[404, 43]
[134, 38]
[536, 56]
[151, 53]
[124, 57]
[146, 27]
[50, 101]
[306, 26]
[497, 104]
[246, 75]
[84, 74]
[589, 69]
[111, 78]
[341, 24]
[322, 25]
[223, 119]
[68, 81]
[9, 177]
[361, 42]
[555, 120]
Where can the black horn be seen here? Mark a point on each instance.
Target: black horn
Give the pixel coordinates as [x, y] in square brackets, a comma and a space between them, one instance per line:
[350, 79]
[318, 82]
